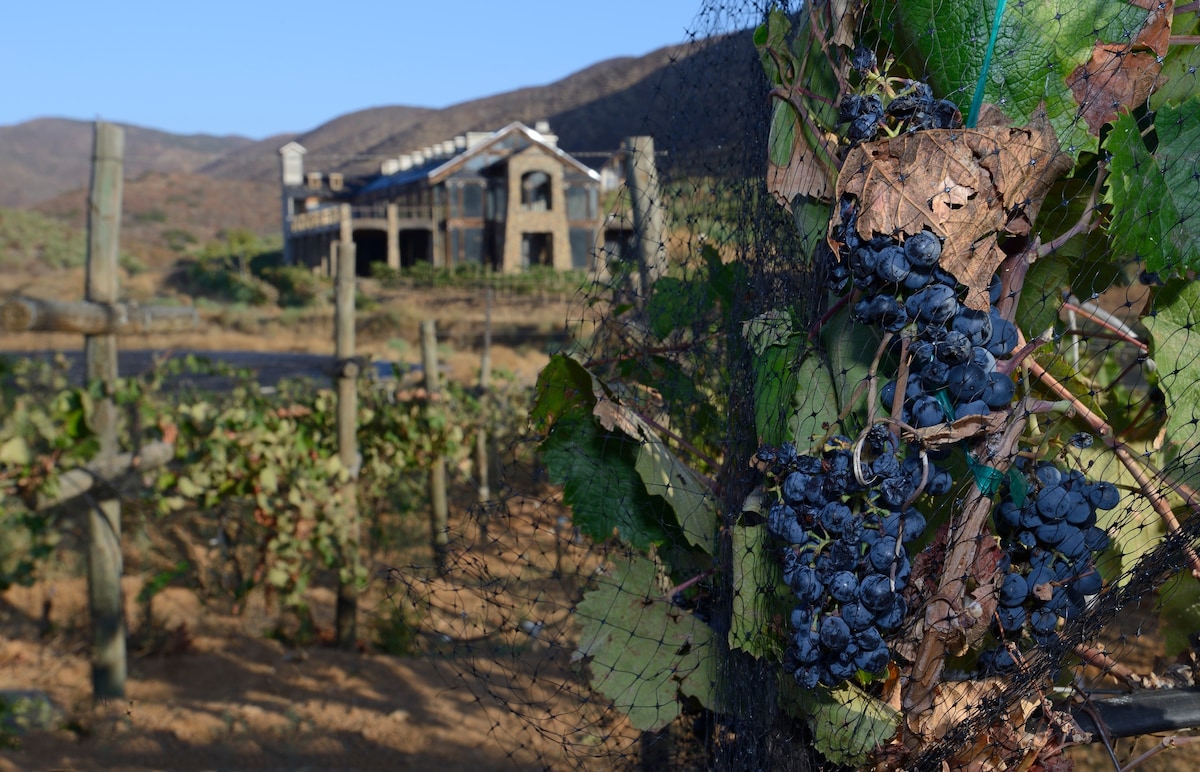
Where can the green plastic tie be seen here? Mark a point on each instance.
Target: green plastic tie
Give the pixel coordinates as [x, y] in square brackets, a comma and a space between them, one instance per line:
[977, 99]
[987, 478]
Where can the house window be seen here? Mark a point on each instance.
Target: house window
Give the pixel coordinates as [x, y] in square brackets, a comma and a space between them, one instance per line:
[537, 249]
[581, 248]
[579, 203]
[472, 200]
[313, 179]
[336, 181]
[535, 192]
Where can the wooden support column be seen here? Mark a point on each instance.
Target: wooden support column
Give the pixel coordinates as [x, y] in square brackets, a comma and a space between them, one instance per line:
[347, 426]
[482, 457]
[439, 510]
[393, 236]
[100, 355]
[641, 174]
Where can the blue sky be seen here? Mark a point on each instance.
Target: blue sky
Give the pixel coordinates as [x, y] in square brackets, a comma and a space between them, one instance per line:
[262, 67]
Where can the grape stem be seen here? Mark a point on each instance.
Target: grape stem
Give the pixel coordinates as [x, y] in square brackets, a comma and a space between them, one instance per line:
[1086, 223]
[1143, 478]
[1122, 332]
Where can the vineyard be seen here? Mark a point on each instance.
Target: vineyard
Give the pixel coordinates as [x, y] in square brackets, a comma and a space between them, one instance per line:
[883, 459]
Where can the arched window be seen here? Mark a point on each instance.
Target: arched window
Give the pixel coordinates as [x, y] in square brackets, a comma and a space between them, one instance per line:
[535, 192]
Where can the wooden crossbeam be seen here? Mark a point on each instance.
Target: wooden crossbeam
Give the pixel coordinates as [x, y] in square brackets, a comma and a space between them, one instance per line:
[24, 314]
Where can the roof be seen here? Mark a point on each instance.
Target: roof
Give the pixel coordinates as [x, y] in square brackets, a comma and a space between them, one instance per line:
[481, 155]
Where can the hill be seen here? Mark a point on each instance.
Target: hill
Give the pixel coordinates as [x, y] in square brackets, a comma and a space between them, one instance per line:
[43, 158]
[697, 99]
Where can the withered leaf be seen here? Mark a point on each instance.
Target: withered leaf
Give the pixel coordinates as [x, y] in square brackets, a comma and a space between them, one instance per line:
[966, 185]
[809, 171]
[1121, 75]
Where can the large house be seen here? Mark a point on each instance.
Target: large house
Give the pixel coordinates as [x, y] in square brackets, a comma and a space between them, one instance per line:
[508, 199]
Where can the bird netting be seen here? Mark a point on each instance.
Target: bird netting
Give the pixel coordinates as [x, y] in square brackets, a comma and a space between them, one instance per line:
[875, 443]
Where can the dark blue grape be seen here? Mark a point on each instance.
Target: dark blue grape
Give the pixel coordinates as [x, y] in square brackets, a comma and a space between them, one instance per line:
[922, 249]
[1043, 621]
[864, 128]
[1104, 495]
[1048, 475]
[892, 616]
[1014, 590]
[808, 676]
[974, 407]
[875, 591]
[1087, 579]
[886, 465]
[1053, 533]
[1074, 545]
[873, 660]
[954, 349]
[842, 586]
[835, 634]
[927, 411]
[802, 618]
[935, 375]
[939, 483]
[1004, 336]
[834, 516]
[1096, 539]
[1010, 618]
[842, 671]
[843, 553]
[795, 487]
[1053, 503]
[857, 617]
[781, 521]
[895, 491]
[1007, 517]
[914, 525]
[882, 553]
[935, 304]
[976, 325]
[966, 382]
[917, 279]
[807, 585]
[891, 266]
[1081, 514]
[999, 391]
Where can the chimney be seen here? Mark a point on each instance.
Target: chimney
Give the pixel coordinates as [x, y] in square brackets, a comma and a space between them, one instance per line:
[390, 166]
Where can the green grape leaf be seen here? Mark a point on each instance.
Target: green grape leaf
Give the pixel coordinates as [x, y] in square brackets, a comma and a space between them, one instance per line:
[1180, 65]
[1134, 527]
[814, 404]
[759, 610]
[1042, 294]
[1043, 52]
[562, 385]
[776, 347]
[596, 469]
[1174, 331]
[693, 502]
[674, 302]
[1155, 197]
[847, 723]
[15, 452]
[851, 348]
[644, 652]
[1179, 612]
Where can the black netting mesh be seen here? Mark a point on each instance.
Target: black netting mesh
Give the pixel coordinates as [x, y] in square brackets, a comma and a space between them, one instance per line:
[632, 595]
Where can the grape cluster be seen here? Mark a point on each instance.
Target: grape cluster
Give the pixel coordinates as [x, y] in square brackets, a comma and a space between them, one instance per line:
[1050, 541]
[845, 562]
[911, 108]
[952, 367]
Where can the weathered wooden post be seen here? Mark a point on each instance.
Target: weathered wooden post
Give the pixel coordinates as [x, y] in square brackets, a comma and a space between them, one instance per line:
[641, 175]
[347, 425]
[100, 357]
[482, 460]
[439, 511]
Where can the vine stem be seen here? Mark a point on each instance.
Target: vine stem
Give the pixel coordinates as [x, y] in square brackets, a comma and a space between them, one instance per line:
[673, 349]
[1087, 221]
[1101, 661]
[1121, 451]
[945, 614]
[685, 585]
[1122, 335]
[1165, 744]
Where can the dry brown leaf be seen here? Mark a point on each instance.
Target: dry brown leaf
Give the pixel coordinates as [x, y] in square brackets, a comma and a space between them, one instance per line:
[944, 435]
[1123, 74]
[805, 174]
[966, 185]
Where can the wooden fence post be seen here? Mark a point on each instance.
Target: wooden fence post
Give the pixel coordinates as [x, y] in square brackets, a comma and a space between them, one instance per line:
[347, 425]
[439, 510]
[641, 175]
[100, 353]
[482, 460]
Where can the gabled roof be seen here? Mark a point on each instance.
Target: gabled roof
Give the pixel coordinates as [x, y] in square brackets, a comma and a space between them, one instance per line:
[438, 169]
[293, 147]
